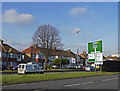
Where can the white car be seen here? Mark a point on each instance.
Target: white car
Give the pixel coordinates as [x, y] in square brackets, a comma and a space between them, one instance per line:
[77, 66]
[29, 68]
[87, 68]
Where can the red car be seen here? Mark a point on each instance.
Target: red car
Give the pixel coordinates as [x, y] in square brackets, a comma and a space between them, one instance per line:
[83, 67]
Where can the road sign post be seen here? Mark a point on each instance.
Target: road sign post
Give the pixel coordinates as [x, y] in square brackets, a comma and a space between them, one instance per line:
[95, 53]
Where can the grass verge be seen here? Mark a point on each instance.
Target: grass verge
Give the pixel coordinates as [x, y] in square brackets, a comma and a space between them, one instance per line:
[10, 79]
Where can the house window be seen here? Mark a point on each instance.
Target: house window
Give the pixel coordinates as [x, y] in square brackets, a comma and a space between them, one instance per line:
[10, 55]
[53, 57]
[50, 57]
[0, 54]
[18, 56]
[14, 55]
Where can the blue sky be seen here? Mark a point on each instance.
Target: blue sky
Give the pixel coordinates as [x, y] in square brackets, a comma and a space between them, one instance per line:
[95, 20]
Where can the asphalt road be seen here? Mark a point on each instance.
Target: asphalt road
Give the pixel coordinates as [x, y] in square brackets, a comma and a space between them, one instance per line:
[97, 82]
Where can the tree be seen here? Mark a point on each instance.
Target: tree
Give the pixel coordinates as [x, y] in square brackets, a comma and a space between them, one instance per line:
[65, 61]
[46, 37]
[57, 62]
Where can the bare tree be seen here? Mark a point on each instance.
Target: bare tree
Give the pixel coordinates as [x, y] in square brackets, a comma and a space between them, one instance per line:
[46, 37]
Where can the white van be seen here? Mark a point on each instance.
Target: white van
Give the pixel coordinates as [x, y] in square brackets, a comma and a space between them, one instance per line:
[29, 68]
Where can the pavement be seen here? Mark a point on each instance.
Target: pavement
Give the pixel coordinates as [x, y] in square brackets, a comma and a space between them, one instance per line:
[96, 82]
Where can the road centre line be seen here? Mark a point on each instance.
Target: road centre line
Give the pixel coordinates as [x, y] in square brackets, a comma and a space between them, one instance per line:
[20, 84]
[87, 82]
[109, 79]
[72, 85]
[13, 85]
[77, 84]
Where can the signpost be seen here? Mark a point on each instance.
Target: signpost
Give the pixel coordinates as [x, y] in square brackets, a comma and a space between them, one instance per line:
[95, 52]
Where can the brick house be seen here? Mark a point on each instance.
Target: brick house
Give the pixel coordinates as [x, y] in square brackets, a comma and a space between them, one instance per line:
[35, 54]
[84, 58]
[9, 56]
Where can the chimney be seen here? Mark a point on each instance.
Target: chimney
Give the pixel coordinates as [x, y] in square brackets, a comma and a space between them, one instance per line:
[1, 41]
[35, 45]
[84, 52]
[10, 50]
[54, 48]
[68, 50]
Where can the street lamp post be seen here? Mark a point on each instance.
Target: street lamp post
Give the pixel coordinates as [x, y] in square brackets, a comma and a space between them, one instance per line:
[78, 30]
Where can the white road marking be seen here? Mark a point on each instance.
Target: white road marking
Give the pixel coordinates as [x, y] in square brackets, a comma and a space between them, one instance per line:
[109, 79]
[72, 85]
[87, 82]
[77, 84]
[13, 85]
[20, 84]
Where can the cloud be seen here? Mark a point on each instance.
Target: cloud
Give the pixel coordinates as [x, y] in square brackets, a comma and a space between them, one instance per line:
[78, 11]
[12, 16]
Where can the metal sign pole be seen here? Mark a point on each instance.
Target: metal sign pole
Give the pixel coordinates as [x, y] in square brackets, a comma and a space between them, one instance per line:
[95, 59]
[100, 69]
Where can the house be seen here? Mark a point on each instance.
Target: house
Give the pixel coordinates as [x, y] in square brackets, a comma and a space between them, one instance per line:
[34, 52]
[9, 56]
[84, 58]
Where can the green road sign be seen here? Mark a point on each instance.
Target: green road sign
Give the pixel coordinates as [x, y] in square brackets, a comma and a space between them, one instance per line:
[95, 47]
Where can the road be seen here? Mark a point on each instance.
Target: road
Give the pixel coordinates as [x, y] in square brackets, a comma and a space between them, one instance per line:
[96, 82]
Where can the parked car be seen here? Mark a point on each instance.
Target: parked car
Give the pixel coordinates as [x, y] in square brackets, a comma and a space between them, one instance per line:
[54, 67]
[77, 66]
[70, 67]
[87, 68]
[15, 68]
[29, 68]
[83, 67]
[92, 68]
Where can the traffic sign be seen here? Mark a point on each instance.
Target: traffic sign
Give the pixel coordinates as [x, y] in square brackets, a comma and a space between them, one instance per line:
[95, 52]
[73, 61]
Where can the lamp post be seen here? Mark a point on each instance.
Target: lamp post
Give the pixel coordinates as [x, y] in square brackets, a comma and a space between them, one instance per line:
[78, 30]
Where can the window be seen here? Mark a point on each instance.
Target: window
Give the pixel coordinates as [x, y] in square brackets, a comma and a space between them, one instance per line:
[18, 56]
[35, 67]
[10, 55]
[22, 66]
[50, 57]
[0, 54]
[19, 66]
[29, 67]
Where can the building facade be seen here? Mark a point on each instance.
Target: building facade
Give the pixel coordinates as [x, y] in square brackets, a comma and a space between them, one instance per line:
[9, 56]
[35, 54]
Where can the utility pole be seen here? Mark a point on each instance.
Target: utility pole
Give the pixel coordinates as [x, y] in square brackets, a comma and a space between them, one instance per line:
[78, 30]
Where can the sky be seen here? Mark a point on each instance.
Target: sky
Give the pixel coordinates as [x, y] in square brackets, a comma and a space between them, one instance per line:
[95, 20]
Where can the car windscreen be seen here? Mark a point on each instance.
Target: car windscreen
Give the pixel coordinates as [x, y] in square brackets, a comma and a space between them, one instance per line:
[23, 66]
[19, 66]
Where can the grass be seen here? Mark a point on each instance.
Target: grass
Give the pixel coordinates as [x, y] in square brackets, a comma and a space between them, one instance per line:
[10, 79]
